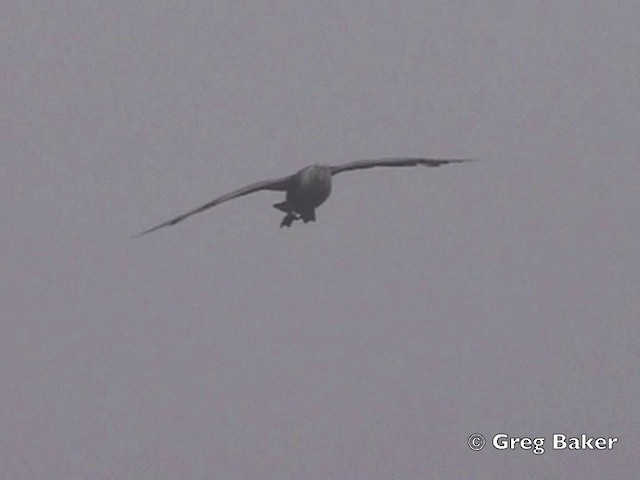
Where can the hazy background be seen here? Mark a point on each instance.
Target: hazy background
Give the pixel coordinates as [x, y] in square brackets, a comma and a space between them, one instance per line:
[423, 306]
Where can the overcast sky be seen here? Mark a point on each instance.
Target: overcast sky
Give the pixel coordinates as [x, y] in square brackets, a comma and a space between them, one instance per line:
[424, 305]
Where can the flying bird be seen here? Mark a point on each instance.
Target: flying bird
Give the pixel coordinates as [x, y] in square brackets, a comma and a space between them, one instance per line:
[306, 189]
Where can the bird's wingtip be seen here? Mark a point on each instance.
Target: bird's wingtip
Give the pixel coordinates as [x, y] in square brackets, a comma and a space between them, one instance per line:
[138, 235]
[157, 227]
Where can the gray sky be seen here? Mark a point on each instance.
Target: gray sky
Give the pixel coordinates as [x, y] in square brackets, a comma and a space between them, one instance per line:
[424, 304]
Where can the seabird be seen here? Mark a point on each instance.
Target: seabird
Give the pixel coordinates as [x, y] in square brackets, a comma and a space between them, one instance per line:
[306, 189]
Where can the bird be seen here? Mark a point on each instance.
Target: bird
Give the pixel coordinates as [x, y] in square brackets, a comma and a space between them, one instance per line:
[306, 189]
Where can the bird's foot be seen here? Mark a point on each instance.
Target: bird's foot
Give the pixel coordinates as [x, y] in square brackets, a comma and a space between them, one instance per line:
[289, 219]
[308, 216]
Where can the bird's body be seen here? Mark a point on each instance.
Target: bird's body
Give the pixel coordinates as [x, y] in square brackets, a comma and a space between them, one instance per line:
[308, 188]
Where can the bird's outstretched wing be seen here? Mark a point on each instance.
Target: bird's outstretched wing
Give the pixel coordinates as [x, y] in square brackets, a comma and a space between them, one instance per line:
[278, 184]
[394, 162]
